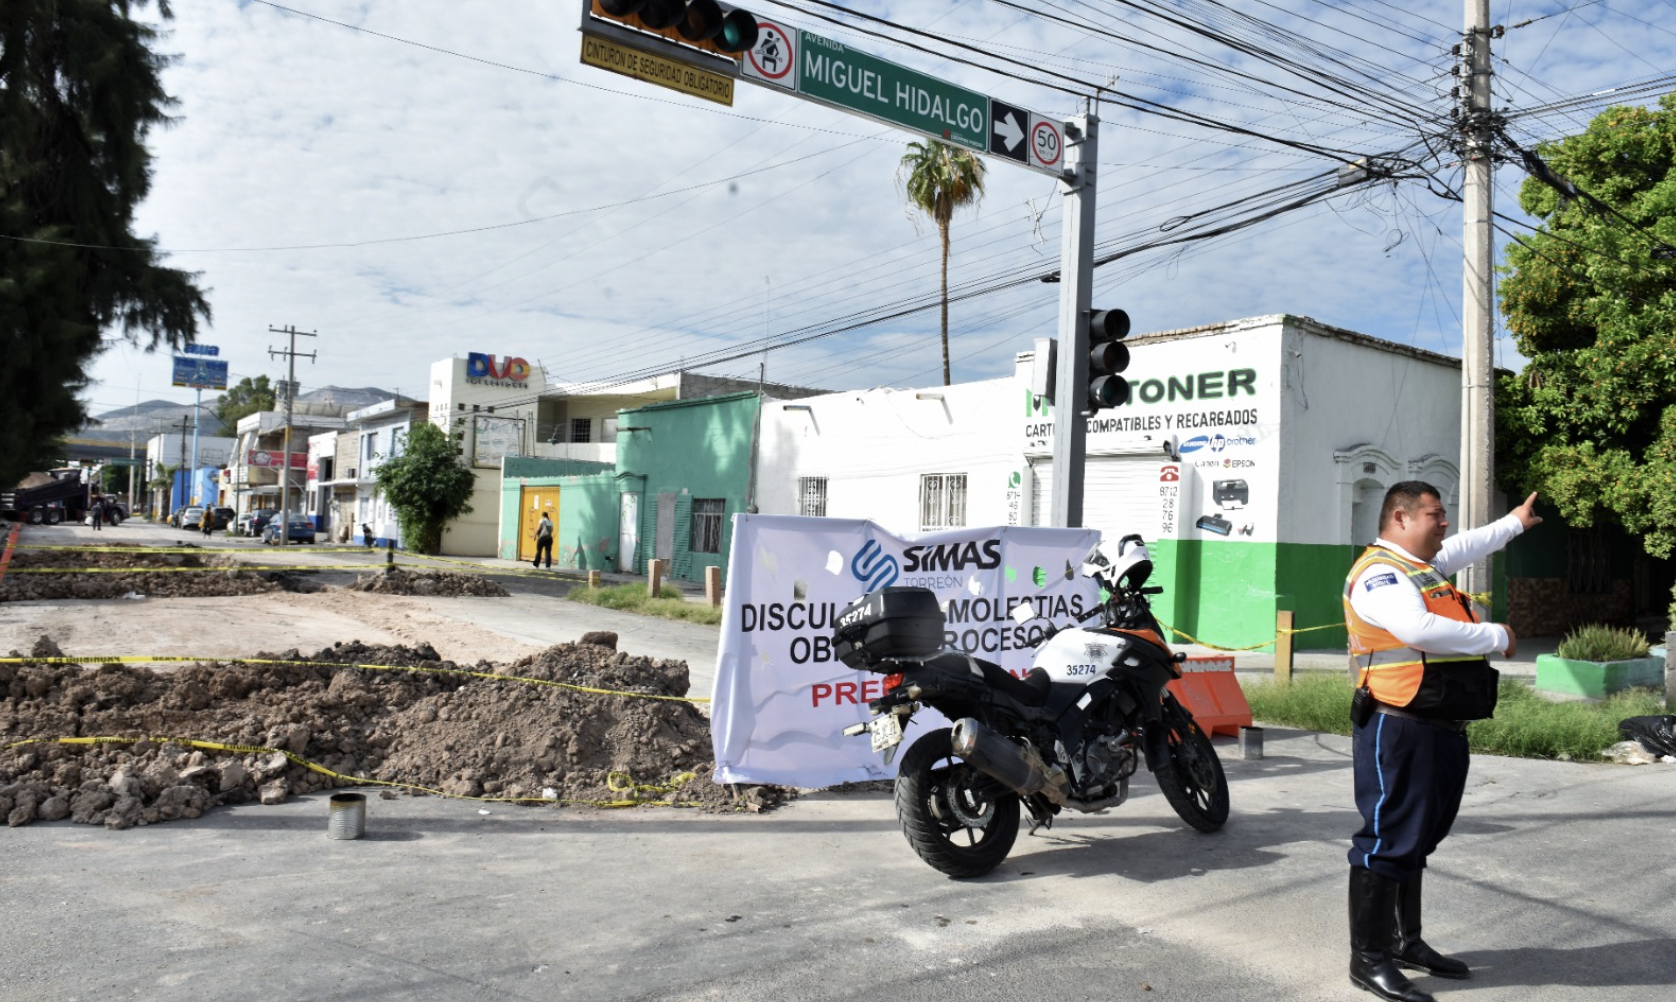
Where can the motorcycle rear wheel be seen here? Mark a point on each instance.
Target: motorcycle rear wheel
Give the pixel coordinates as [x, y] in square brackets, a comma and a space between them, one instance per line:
[1192, 780]
[957, 819]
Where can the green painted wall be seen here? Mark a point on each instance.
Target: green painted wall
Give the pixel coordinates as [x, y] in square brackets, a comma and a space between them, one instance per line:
[1226, 594]
[691, 449]
[586, 536]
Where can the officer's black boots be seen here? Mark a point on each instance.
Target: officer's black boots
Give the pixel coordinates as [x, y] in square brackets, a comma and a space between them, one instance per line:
[1408, 949]
[1373, 927]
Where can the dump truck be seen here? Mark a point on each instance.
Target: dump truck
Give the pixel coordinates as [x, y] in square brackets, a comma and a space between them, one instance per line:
[57, 496]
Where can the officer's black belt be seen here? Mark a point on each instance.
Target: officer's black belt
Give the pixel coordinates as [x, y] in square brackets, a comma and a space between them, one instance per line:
[1453, 726]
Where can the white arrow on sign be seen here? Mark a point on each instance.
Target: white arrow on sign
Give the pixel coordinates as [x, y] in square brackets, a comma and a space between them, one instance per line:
[1010, 131]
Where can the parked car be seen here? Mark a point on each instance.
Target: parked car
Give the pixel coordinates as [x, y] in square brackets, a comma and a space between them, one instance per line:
[252, 522]
[298, 530]
[191, 518]
[223, 517]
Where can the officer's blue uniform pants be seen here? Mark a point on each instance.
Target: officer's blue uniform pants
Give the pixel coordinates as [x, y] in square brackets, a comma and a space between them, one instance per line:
[1409, 780]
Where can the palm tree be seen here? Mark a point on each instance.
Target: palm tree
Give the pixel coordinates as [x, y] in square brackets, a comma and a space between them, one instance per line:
[941, 179]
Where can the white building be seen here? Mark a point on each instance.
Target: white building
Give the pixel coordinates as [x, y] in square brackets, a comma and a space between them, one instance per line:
[380, 431]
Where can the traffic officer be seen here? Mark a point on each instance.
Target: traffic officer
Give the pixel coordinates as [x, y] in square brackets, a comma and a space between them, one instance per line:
[1422, 675]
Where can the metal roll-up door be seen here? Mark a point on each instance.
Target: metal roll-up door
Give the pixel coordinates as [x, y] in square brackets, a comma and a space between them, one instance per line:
[1119, 495]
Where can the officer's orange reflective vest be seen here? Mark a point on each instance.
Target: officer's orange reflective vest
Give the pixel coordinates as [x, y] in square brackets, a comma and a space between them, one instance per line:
[1392, 670]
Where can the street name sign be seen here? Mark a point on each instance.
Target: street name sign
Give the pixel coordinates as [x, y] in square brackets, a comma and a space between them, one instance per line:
[833, 73]
[830, 73]
[664, 72]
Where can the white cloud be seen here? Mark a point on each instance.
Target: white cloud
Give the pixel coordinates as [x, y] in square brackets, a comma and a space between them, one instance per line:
[294, 131]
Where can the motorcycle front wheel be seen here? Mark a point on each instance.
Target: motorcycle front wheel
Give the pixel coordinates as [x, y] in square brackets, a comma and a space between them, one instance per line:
[957, 819]
[1192, 779]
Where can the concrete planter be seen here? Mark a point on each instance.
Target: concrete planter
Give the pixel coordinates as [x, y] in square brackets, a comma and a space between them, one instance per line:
[1596, 679]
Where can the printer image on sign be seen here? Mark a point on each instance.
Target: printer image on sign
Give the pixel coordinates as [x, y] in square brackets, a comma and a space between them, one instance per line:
[1231, 493]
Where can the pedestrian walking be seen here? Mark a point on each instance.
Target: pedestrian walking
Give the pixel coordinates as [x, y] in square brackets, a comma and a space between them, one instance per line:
[1422, 675]
[544, 541]
[206, 521]
[96, 512]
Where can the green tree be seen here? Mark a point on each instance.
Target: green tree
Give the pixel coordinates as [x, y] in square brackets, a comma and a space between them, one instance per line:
[427, 484]
[1590, 298]
[244, 398]
[80, 87]
[940, 179]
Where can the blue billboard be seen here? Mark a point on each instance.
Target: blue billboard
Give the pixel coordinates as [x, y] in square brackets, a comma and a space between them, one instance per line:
[200, 373]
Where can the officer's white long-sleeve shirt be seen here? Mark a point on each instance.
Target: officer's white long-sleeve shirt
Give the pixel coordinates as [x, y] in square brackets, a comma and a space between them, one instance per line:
[1393, 602]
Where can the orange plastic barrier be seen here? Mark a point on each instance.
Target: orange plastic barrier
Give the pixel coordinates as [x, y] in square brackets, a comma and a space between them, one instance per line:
[1208, 688]
[11, 544]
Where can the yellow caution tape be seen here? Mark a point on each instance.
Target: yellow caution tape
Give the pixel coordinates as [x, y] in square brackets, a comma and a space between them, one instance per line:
[146, 659]
[194, 570]
[617, 782]
[1233, 650]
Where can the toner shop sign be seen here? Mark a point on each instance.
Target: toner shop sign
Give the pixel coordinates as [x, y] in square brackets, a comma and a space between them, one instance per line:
[782, 696]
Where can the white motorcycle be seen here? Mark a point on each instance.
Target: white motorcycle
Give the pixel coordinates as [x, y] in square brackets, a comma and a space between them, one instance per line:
[1068, 734]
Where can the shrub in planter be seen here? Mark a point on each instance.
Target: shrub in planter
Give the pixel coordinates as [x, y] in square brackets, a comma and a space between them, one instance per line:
[1595, 661]
[1602, 643]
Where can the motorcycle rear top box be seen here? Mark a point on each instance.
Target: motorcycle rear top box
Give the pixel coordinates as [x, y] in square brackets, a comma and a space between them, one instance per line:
[889, 623]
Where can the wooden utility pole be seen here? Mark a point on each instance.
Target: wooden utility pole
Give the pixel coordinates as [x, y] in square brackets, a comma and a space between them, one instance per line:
[1478, 403]
[291, 353]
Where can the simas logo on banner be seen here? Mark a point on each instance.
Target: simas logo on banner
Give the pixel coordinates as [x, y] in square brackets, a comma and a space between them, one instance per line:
[873, 567]
[483, 370]
[782, 696]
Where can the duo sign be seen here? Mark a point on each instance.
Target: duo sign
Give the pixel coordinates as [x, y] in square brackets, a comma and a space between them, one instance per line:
[832, 73]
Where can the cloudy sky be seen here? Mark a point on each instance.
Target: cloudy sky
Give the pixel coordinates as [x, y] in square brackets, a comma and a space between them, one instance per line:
[419, 179]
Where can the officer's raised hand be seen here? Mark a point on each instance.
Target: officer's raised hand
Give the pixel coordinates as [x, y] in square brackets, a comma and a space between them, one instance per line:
[1527, 512]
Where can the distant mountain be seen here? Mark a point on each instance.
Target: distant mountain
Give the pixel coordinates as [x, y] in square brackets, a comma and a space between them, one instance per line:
[151, 417]
[350, 399]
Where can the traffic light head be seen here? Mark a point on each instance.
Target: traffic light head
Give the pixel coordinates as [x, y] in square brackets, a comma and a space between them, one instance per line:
[706, 24]
[1107, 357]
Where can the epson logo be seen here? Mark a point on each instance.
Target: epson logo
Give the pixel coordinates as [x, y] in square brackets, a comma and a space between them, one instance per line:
[953, 556]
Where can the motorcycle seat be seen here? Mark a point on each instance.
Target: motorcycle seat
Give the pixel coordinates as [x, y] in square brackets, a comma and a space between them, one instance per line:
[1031, 690]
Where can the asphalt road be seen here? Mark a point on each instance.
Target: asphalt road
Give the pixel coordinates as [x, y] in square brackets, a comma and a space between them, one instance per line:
[1557, 884]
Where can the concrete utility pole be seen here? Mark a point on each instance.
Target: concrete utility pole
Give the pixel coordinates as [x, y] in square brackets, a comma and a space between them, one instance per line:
[290, 354]
[186, 491]
[1076, 293]
[1478, 404]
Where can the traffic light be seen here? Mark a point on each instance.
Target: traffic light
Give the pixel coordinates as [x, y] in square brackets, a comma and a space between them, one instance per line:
[1107, 356]
[705, 24]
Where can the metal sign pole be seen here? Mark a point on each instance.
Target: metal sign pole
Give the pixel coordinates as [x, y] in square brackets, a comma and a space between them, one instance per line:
[1076, 270]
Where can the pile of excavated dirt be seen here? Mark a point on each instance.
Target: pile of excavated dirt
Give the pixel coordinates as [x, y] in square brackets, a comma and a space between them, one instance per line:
[116, 574]
[441, 584]
[456, 733]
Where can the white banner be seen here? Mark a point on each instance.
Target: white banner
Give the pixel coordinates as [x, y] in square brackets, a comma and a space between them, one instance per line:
[782, 697]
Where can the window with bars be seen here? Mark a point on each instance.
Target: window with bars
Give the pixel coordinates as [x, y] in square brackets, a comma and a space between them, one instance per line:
[942, 501]
[581, 429]
[1588, 563]
[811, 497]
[707, 524]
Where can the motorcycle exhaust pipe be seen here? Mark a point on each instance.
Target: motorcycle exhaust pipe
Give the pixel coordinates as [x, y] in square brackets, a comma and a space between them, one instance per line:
[1002, 760]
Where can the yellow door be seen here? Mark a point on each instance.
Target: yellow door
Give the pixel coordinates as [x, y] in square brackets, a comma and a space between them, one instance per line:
[532, 503]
